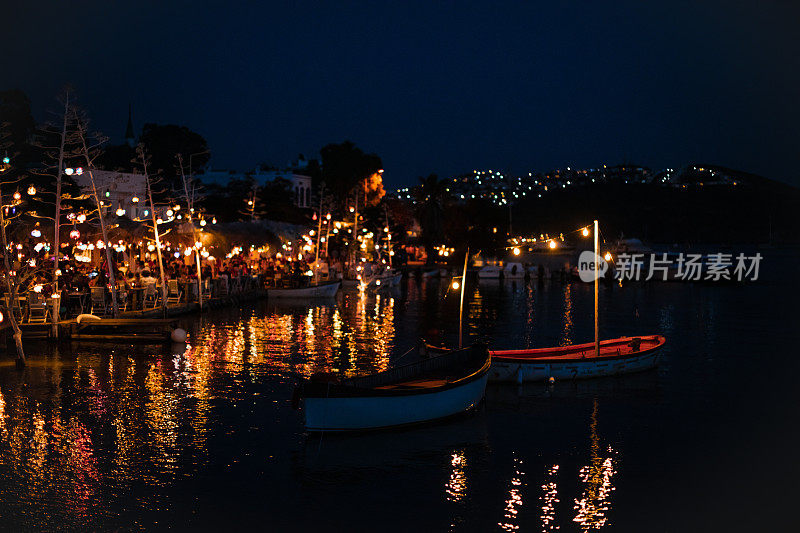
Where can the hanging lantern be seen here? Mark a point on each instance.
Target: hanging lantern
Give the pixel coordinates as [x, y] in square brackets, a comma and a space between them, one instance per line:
[314, 217]
[120, 212]
[68, 171]
[36, 233]
[17, 196]
[585, 232]
[81, 218]
[203, 222]
[100, 245]
[170, 212]
[214, 220]
[31, 190]
[135, 199]
[79, 171]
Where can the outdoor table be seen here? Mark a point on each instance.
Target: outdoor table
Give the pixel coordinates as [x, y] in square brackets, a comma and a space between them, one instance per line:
[76, 299]
[188, 287]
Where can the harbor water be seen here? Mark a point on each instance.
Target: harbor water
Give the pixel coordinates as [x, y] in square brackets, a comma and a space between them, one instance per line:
[203, 436]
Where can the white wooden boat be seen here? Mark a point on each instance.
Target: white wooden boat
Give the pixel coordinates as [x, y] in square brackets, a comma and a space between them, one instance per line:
[578, 361]
[322, 290]
[431, 389]
[384, 280]
[513, 271]
[489, 272]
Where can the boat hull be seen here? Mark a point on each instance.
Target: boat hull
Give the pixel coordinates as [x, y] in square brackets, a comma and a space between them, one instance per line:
[369, 412]
[326, 290]
[508, 366]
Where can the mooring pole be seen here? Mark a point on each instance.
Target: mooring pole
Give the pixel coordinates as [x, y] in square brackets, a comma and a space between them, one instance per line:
[461, 306]
[596, 292]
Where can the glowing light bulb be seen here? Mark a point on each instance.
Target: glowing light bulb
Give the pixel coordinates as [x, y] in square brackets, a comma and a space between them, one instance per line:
[607, 257]
[31, 190]
[552, 244]
[120, 212]
[68, 171]
[203, 222]
[135, 199]
[516, 251]
[585, 232]
[456, 285]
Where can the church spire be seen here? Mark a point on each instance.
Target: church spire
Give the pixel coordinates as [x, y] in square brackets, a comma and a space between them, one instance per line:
[129, 137]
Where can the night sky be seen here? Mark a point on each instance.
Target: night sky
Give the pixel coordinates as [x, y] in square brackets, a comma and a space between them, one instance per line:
[431, 87]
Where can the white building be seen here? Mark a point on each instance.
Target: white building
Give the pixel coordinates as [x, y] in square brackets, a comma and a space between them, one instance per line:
[118, 190]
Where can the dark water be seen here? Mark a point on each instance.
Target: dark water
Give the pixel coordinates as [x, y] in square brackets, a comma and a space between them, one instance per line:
[96, 437]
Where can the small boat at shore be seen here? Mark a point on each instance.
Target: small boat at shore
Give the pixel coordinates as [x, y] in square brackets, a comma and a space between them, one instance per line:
[415, 393]
[578, 361]
[321, 290]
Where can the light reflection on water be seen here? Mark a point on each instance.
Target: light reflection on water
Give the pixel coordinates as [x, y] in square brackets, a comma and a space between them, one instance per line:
[594, 503]
[106, 437]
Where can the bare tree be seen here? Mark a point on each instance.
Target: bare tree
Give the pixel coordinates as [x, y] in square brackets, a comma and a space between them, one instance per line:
[144, 159]
[189, 185]
[54, 169]
[90, 153]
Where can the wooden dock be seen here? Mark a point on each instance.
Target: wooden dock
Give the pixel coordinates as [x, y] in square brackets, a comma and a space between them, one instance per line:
[104, 330]
[147, 325]
[117, 329]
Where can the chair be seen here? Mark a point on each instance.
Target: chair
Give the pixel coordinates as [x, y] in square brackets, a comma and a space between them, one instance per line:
[223, 286]
[236, 284]
[205, 291]
[99, 301]
[38, 310]
[173, 292]
[150, 296]
[122, 299]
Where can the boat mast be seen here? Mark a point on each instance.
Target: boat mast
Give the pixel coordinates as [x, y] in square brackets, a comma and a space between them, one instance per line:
[461, 306]
[596, 292]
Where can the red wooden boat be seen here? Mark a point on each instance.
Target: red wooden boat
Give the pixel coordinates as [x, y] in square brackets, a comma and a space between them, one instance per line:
[577, 361]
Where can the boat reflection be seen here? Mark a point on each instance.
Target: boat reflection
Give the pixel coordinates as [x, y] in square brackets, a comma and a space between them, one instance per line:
[549, 499]
[514, 500]
[594, 503]
[456, 486]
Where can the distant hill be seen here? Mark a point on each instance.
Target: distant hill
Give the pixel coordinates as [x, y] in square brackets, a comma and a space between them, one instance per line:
[754, 210]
